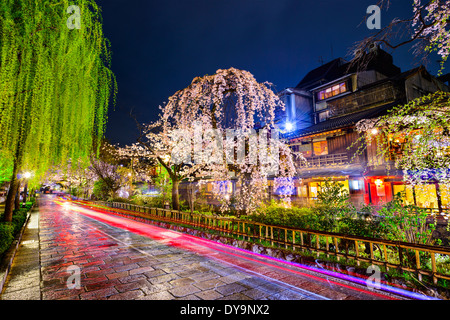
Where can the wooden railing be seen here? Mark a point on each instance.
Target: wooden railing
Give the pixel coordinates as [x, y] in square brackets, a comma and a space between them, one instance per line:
[432, 261]
[362, 99]
[326, 160]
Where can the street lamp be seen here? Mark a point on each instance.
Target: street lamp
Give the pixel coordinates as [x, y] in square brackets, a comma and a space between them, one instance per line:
[289, 126]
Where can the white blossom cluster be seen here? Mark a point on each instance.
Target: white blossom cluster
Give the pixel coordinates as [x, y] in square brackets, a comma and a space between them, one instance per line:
[206, 133]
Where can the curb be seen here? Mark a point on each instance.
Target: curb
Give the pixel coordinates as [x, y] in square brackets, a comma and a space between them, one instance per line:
[10, 254]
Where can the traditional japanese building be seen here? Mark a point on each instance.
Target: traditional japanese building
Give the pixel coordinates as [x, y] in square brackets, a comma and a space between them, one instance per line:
[320, 118]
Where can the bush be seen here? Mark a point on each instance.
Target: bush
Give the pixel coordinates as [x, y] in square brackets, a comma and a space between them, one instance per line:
[277, 214]
[150, 201]
[406, 222]
[119, 199]
[319, 218]
[6, 236]
[18, 219]
[8, 230]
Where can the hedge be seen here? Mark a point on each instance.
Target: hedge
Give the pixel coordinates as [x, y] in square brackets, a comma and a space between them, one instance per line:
[8, 230]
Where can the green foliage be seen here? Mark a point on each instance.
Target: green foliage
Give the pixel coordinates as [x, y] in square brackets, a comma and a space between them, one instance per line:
[332, 204]
[18, 219]
[406, 222]
[55, 85]
[276, 213]
[332, 194]
[6, 236]
[101, 189]
[163, 183]
[6, 166]
[8, 230]
[150, 201]
[119, 199]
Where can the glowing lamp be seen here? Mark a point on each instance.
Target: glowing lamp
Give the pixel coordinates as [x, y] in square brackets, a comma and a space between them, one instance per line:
[374, 131]
[289, 126]
[378, 182]
[27, 175]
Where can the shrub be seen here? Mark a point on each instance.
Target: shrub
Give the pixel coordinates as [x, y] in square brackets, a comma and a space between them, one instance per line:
[18, 219]
[406, 222]
[277, 214]
[119, 199]
[8, 230]
[6, 236]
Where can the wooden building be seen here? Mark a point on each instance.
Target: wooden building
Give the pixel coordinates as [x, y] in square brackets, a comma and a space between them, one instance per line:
[339, 97]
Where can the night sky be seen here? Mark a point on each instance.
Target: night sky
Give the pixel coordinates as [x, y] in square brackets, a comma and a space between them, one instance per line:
[160, 46]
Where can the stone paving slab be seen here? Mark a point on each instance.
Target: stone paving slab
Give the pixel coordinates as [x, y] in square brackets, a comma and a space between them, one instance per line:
[23, 282]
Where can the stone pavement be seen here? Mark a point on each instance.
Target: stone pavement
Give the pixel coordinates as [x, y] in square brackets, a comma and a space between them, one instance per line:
[24, 278]
[118, 264]
[64, 247]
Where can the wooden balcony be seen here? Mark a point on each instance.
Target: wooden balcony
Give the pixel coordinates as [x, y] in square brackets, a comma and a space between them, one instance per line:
[363, 99]
[336, 159]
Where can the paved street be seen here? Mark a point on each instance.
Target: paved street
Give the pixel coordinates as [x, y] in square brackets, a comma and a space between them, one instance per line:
[117, 258]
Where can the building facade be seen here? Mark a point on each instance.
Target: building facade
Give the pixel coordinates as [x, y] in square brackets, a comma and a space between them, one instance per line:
[320, 118]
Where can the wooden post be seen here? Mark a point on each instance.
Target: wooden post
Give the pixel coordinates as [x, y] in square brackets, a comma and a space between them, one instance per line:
[293, 239]
[336, 248]
[271, 235]
[386, 257]
[317, 245]
[357, 252]
[419, 275]
[327, 246]
[285, 238]
[433, 267]
[371, 251]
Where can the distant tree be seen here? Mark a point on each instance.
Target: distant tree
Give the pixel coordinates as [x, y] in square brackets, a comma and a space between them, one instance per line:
[420, 131]
[426, 29]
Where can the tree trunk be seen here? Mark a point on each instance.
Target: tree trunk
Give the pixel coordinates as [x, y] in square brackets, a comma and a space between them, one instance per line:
[17, 197]
[175, 195]
[25, 192]
[9, 203]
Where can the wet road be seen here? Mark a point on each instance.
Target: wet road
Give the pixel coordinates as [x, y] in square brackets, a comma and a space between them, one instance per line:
[90, 254]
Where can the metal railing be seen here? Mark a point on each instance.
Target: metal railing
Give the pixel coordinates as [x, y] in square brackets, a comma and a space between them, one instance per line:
[423, 260]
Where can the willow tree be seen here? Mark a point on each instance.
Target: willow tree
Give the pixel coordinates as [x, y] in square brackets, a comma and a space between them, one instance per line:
[55, 84]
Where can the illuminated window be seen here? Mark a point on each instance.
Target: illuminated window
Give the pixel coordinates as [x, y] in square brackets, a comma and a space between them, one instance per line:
[425, 195]
[313, 189]
[445, 195]
[305, 149]
[320, 148]
[323, 116]
[335, 90]
[332, 91]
